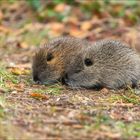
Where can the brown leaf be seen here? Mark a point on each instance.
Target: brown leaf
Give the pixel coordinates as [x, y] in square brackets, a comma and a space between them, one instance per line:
[56, 28]
[72, 20]
[86, 25]
[60, 7]
[77, 33]
[23, 45]
[19, 71]
[39, 96]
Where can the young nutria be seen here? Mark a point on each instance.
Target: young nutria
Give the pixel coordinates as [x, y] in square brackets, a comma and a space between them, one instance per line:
[106, 63]
[57, 58]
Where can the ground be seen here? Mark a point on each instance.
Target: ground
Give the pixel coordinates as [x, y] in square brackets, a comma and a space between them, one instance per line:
[29, 111]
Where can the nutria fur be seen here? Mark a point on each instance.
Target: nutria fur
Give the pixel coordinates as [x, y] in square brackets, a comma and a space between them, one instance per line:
[107, 63]
[56, 58]
[78, 63]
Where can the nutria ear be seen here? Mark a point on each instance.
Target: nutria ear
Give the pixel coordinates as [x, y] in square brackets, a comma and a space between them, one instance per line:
[49, 56]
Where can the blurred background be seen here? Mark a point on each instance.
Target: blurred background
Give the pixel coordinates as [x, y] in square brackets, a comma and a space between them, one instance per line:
[25, 24]
[29, 111]
[32, 21]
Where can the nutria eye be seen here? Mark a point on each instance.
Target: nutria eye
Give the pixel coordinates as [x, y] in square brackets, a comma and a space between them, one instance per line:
[49, 57]
[88, 62]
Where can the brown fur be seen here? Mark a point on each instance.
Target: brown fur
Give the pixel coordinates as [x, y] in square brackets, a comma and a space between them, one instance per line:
[78, 63]
[111, 64]
[65, 51]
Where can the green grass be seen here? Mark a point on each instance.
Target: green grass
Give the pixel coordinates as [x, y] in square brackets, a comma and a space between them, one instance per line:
[5, 77]
[107, 124]
[130, 96]
[128, 129]
[53, 90]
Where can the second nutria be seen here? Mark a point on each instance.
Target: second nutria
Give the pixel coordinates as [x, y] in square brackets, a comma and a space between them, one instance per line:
[107, 63]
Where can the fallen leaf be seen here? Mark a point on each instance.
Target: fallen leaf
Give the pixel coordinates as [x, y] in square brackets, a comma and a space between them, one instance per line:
[56, 26]
[19, 71]
[77, 32]
[39, 96]
[86, 25]
[23, 45]
[60, 7]
[56, 29]
[72, 20]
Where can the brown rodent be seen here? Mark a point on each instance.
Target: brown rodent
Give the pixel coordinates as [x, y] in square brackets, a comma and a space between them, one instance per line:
[57, 58]
[107, 63]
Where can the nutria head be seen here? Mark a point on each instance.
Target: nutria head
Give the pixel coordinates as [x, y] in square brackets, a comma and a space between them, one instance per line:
[58, 57]
[107, 63]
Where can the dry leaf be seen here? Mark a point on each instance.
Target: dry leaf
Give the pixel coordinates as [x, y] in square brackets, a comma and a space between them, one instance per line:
[56, 28]
[39, 96]
[72, 20]
[77, 33]
[19, 71]
[23, 45]
[60, 7]
[85, 26]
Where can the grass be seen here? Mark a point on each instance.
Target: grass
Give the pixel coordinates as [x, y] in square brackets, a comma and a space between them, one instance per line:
[107, 125]
[128, 129]
[53, 90]
[129, 96]
[6, 77]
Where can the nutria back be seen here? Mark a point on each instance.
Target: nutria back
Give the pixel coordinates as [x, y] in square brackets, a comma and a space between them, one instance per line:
[107, 63]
